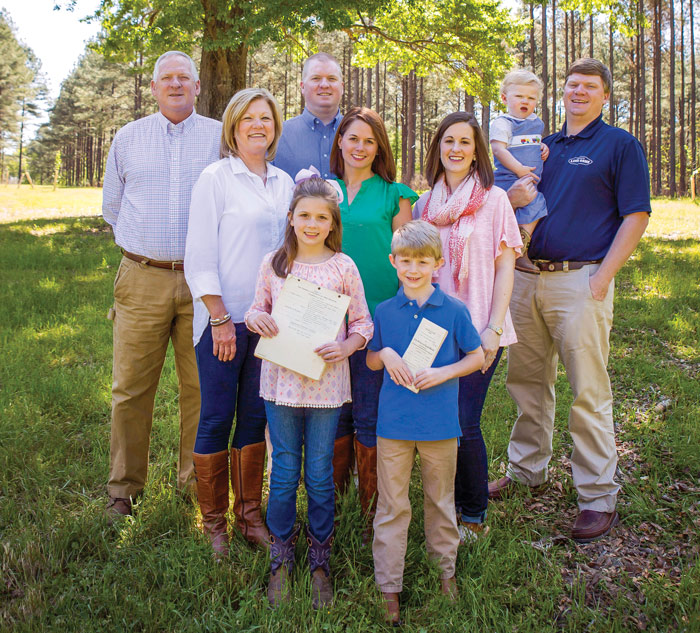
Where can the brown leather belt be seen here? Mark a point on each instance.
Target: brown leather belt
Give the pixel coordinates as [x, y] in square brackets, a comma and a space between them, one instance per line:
[550, 267]
[178, 266]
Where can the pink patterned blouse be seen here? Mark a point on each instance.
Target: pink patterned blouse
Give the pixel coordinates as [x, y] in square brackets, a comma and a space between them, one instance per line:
[286, 387]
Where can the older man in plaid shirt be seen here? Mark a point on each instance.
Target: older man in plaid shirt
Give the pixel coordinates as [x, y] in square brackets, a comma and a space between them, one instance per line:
[152, 166]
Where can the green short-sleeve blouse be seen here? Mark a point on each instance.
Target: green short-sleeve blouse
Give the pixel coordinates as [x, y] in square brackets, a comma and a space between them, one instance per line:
[367, 234]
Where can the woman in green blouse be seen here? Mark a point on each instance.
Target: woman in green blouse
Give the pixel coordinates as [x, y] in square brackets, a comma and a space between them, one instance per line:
[374, 206]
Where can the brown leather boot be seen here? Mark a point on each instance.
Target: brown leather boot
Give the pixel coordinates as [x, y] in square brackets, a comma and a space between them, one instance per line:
[342, 463]
[247, 468]
[523, 263]
[367, 475]
[211, 474]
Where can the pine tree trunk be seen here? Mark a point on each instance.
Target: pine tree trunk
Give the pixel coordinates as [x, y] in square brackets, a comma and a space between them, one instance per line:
[693, 96]
[611, 64]
[545, 78]
[590, 35]
[566, 41]
[682, 149]
[356, 94]
[532, 36]
[410, 172]
[422, 124]
[672, 103]
[642, 83]
[555, 124]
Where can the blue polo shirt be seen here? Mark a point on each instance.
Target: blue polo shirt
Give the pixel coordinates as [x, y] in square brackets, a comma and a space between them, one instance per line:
[591, 180]
[431, 414]
[306, 141]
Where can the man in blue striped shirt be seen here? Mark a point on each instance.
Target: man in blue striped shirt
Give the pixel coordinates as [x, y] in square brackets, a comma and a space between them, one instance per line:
[307, 139]
[152, 166]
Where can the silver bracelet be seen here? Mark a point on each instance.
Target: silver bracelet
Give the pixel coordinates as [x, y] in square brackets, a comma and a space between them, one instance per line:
[217, 322]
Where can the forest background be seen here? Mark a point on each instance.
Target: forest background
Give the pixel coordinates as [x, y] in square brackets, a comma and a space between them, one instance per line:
[413, 61]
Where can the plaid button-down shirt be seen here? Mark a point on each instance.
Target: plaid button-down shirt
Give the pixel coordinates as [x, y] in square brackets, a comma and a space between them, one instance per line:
[151, 169]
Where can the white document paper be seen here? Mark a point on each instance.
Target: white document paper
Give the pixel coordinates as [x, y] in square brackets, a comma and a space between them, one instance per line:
[307, 316]
[424, 347]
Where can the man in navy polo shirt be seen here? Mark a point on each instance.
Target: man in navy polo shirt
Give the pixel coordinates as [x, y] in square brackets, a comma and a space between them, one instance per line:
[307, 139]
[596, 183]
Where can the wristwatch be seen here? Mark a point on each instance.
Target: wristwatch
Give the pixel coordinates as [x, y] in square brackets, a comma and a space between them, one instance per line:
[495, 328]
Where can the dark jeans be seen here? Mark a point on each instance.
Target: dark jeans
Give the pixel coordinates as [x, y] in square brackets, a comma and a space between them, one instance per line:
[291, 429]
[360, 415]
[229, 389]
[472, 481]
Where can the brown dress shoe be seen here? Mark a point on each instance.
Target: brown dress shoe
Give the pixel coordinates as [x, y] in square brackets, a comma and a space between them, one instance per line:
[390, 602]
[500, 488]
[448, 588]
[118, 507]
[591, 525]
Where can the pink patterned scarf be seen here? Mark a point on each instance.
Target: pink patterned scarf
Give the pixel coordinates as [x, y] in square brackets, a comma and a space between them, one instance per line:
[457, 210]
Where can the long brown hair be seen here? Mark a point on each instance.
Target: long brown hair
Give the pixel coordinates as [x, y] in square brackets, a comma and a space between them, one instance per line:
[482, 163]
[383, 163]
[284, 257]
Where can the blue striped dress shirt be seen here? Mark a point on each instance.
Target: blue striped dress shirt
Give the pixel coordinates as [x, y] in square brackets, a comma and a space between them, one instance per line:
[151, 169]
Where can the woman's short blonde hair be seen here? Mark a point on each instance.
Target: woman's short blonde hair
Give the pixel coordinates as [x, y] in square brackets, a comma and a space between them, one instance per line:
[236, 108]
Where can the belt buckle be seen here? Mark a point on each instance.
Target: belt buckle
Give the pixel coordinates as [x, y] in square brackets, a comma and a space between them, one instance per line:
[565, 266]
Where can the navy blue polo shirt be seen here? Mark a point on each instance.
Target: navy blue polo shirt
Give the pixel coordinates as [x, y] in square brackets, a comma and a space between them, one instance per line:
[591, 180]
[431, 414]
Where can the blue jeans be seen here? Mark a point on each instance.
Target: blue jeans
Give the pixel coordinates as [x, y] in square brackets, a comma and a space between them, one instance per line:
[292, 428]
[229, 389]
[360, 415]
[472, 480]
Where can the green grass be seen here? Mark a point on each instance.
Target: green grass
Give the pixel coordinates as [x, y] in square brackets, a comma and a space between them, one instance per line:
[62, 568]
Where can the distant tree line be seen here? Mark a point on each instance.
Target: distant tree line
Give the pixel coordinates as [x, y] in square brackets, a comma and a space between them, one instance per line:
[412, 61]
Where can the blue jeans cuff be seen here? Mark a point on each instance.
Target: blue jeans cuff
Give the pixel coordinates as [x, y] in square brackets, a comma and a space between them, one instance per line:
[480, 518]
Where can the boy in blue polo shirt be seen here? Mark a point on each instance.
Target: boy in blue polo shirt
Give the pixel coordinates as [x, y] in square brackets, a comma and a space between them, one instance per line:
[426, 421]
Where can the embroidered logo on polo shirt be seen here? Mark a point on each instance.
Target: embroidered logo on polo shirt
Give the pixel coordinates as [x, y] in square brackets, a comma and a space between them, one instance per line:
[580, 160]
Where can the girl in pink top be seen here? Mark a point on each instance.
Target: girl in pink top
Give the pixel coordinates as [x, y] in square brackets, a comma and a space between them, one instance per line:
[480, 239]
[301, 412]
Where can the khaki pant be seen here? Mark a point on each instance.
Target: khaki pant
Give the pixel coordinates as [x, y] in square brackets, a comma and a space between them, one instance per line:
[151, 306]
[555, 316]
[438, 467]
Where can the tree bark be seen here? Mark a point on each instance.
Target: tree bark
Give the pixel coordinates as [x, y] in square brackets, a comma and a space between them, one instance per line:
[672, 103]
[682, 148]
[693, 96]
[545, 78]
[532, 36]
[590, 35]
[611, 64]
[222, 71]
[555, 124]
[411, 132]
[642, 83]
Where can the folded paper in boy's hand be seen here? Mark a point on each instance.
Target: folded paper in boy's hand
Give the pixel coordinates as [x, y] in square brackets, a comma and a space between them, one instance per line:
[424, 347]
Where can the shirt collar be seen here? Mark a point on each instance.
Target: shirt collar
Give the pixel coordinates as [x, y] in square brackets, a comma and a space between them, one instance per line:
[312, 121]
[187, 124]
[239, 167]
[437, 297]
[586, 132]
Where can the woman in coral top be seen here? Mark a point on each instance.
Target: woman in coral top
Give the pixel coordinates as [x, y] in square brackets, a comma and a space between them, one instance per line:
[480, 239]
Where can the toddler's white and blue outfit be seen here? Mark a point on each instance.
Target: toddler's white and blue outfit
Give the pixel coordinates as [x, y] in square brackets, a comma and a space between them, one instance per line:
[522, 138]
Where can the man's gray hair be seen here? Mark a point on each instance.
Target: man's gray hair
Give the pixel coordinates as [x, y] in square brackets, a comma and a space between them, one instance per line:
[167, 54]
[320, 57]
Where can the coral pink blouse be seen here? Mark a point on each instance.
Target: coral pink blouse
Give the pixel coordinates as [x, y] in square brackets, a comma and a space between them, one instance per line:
[495, 225]
[286, 387]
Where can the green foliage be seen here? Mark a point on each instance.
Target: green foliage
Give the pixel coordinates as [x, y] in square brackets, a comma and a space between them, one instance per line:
[65, 569]
[467, 40]
[20, 82]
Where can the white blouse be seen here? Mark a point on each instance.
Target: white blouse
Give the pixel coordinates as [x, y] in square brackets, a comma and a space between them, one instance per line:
[235, 220]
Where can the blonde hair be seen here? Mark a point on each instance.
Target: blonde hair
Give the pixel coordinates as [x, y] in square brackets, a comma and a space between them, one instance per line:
[521, 77]
[236, 108]
[320, 57]
[417, 238]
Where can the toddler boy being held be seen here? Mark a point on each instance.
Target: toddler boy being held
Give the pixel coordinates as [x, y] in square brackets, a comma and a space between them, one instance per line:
[427, 421]
[516, 143]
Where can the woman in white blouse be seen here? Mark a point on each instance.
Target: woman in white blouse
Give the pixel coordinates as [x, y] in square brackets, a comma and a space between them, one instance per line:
[237, 215]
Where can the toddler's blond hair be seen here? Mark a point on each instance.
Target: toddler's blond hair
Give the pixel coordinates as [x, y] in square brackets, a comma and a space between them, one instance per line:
[521, 77]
